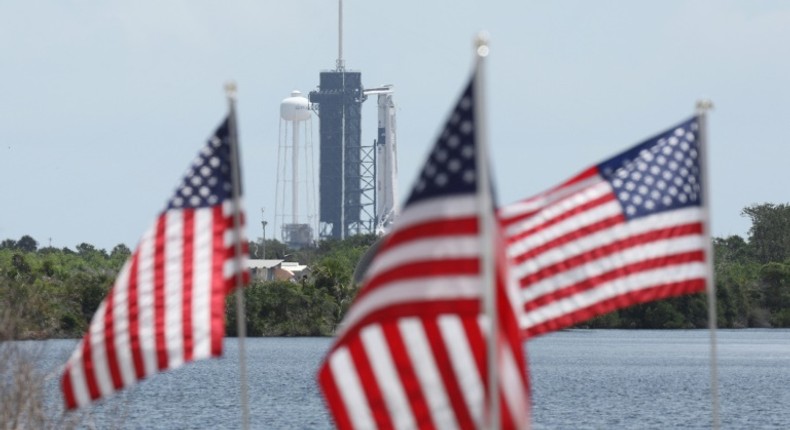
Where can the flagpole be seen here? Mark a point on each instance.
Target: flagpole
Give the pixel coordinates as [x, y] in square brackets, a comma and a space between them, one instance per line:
[486, 217]
[230, 92]
[703, 106]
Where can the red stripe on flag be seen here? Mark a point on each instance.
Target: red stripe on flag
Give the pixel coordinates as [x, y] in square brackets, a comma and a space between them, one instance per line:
[333, 399]
[422, 269]
[514, 219]
[594, 281]
[614, 247]
[570, 236]
[68, 388]
[188, 268]
[444, 364]
[231, 282]
[477, 344]
[582, 231]
[421, 309]
[89, 367]
[218, 258]
[109, 341]
[369, 384]
[407, 376]
[432, 228]
[624, 300]
[134, 320]
[159, 292]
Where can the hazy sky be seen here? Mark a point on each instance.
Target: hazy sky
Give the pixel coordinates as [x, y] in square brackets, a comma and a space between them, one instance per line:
[104, 104]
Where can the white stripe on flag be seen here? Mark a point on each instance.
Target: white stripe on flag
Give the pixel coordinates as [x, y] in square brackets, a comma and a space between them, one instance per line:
[425, 250]
[512, 385]
[201, 282]
[174, 279]
[233, 235]
[617, 287]
[120, 325]
[419, 290]
[605, 237]
[438, 209]
[464, 365]
[350, 389]
[597, 267]
[98, 352]
[380, 359]
[422, 360]
[79, 383]
[569, 225]
[145, 300]
[569, 204]
[536, 203]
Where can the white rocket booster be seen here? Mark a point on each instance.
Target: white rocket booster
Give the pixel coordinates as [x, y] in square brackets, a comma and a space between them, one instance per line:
[386, 160]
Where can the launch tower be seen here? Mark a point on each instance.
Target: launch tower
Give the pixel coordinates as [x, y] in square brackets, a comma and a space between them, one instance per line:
[356, 182]
[339, 104]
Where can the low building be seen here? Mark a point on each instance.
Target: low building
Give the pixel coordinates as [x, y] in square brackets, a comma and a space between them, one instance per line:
[281, 270]
[294, 270]
[263, 270]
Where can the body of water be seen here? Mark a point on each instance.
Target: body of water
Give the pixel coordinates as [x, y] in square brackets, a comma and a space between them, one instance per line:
[581, 379]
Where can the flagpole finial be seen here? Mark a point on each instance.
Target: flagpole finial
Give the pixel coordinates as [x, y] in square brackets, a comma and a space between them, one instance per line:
[481, 44]
[704, 105]
[230, 89]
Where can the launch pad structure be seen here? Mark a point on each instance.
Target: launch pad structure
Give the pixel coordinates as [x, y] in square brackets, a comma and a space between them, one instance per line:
[344, 193]
[356, 182]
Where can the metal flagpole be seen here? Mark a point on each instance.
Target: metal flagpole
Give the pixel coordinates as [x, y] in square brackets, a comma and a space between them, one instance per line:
[230, 92]
[486, 216]
[703, 106]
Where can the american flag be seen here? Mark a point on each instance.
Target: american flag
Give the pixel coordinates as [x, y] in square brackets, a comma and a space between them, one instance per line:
[629, 230]
[411, 351]
[167, 305]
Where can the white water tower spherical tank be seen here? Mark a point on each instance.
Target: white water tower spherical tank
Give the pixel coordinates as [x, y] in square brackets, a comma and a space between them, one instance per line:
[295, 195]
[295, 108]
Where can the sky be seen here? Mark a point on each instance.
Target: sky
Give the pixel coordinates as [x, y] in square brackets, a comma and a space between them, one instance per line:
[104, 104]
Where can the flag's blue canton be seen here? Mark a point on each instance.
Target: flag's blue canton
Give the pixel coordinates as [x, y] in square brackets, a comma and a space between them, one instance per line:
[208, 181]
[451, 167]
[660, 174]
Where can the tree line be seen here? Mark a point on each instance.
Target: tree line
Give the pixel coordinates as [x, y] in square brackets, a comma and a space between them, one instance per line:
[752, 282]
[53, 292]
[48, 292]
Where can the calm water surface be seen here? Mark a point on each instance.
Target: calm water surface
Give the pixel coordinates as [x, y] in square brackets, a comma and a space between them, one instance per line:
[581, 379]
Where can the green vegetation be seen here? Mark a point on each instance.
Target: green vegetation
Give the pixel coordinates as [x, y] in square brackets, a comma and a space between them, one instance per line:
[752, 282]
[54, 292]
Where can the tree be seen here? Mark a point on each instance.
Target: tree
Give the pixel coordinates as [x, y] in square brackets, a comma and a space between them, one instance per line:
[769, 236]
[85, 249]
[27, 244]
[275, 250]
[20, 264]
[775, 279]
[119, 254]
[731, 249]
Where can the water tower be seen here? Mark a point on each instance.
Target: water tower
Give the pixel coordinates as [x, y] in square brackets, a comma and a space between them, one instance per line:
[295, 207]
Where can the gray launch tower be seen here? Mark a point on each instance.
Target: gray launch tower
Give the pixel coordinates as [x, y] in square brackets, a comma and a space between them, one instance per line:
[356, 182]
[346, 167]
[347, 188]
